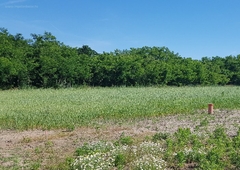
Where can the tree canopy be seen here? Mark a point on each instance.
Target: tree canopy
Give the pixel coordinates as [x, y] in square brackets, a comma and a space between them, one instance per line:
[44, 62]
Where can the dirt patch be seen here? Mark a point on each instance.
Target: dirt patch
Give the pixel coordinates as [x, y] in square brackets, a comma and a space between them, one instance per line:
[39, 149]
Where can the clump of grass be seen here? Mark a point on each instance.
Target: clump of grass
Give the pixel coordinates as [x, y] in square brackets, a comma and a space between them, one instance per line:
[160, 136]
[124, 140]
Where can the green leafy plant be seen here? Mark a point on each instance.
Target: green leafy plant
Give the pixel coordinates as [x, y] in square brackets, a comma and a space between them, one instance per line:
[120, 160]
[180, 158]
[160, 136]
[124, 140]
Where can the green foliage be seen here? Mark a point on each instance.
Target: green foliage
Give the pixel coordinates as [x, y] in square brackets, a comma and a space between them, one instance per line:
[120, 160]
[124, 140]
[45, 62]
[180, 158]
[183, 136]
[85, 149]
[216, 151]
[209, 153]
[160, 136]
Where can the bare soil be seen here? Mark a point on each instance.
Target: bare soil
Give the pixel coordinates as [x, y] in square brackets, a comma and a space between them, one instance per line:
[38, 149]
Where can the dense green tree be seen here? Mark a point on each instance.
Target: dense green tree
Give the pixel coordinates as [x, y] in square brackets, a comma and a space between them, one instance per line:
[14, 50]
[85, 49]
[217, 74]
[232, 65]
[43, 61]
[103, 70]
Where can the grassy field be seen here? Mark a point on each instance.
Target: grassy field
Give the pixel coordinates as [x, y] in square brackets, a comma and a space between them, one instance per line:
[76, 107]
[120, 128]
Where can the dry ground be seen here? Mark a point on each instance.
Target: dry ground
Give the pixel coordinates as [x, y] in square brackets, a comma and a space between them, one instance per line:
[37, 149]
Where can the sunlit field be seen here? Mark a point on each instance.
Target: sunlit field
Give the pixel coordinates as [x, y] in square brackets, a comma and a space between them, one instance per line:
[76, 107]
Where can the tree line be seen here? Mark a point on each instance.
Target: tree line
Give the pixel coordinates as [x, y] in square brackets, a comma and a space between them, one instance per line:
[44, 62]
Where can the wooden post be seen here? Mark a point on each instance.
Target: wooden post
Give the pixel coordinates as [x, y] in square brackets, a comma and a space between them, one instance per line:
[210, 108]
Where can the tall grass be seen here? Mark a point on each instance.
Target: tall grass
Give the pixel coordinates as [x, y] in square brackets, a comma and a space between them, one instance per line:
[69, 108]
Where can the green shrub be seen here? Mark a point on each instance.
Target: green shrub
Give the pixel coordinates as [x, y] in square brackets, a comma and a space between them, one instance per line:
[120, 160]
[160, 136]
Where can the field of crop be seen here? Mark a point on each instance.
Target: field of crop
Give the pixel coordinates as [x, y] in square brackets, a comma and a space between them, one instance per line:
[70, 108]
[120, 128]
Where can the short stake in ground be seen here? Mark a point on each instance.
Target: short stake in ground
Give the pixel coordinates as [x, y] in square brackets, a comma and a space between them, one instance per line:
[210, 108]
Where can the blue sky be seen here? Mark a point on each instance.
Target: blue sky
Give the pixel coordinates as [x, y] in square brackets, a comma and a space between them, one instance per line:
[192, 28]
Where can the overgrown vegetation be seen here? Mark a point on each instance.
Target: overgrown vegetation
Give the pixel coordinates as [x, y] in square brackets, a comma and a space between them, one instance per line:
[183, 149]
[70, 108]
[45, 62]
[93, 107]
